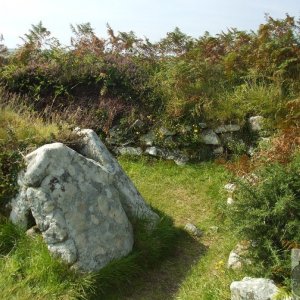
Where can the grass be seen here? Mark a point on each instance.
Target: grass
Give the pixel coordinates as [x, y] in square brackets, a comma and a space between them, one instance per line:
[188, 194]
[29, 272]
[24, 126]
[167, 264]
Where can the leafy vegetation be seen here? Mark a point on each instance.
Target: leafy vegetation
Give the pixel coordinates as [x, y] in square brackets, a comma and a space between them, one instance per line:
[222, 78]
[267, 213]
[46, 89]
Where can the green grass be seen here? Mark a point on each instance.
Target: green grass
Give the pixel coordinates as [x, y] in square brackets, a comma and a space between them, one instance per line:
[29, 272]
[192, 193]
[167, 263]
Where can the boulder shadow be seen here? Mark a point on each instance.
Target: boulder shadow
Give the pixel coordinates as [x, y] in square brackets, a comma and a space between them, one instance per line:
[164, 279]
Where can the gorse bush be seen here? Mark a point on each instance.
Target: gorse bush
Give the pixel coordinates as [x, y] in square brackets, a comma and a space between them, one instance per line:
[267, 212]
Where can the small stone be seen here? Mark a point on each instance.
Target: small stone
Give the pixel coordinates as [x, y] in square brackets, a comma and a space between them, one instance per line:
[253, 288]
[234, 261]
[202, 125]
[237, 257]
[230, 187]
[181, 161]
[227, 128]
[191, 228]
[256, 123]
[230, 201]
[148, 139]
[251, 151]
[218, 150]
[130, 151]
[210, 137]
[152, 151]
[165, 131]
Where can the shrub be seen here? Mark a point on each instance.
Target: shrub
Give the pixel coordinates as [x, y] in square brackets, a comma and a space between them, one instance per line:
[267, 212]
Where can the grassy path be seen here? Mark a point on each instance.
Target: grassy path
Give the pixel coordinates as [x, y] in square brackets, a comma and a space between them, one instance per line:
[195, 270]
[187, 194]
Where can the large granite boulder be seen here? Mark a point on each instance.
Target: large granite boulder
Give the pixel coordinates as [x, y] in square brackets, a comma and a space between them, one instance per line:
[75, 205]
[254, 289]
[81, 203]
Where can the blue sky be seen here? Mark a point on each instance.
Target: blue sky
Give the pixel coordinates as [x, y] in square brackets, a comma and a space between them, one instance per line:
[151, 18]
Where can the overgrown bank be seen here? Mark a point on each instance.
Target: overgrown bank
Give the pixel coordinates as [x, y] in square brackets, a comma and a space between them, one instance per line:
[177, 81]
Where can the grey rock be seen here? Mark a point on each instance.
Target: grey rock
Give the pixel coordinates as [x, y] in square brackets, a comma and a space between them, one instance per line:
[254, 289]
[76, 206]
[228, 128]
[256, 123]
[175, 155]
[251, 151]
[230, 187]
[165, 131]
[137, 124]
[130, 151]
[131, 200]
[230, 201]
[237, 257]
[234, 261]
[148, 139]
[210, 137]
[295, 257]
[191, 228]
[153, 151]
[218, 150]
[181, 161]
[202, 125]
[80, 203]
